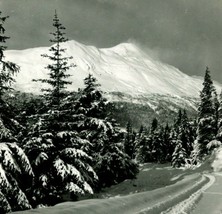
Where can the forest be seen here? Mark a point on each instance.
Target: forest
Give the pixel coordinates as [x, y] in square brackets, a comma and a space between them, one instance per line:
[64, 144]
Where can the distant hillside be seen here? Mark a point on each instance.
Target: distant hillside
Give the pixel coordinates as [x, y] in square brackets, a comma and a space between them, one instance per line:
[123, 68]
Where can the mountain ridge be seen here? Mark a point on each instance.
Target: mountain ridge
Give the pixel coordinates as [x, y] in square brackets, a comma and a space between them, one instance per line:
[123, 68]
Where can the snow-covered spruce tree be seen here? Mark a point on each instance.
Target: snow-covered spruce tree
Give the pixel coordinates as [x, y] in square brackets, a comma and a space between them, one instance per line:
[143, 143]
[187, 135]
[151, 147]
[219, 133]
[129, 142]
[216, 106]
[168, 146]
[175, 129]
[206, 130]
[179, 155]
[59, 159]
[58, 77]
[15, 170]
[15, 178]
[183, 134]
[7, 71]
[157, 150]
[140, 142]
[57, 153]
[91, 102]
[111, 163]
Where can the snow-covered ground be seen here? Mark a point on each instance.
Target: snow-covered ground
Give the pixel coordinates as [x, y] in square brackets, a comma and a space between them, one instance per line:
[217, 163]
[123, 68]
[156, 188]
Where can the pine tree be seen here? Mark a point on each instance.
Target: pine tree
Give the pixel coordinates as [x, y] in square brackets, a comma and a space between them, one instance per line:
[91, 102]
[216, 106]
[187, 135]
[58, 67]
[178, 121]
[179, 155]
[7, 69]
[154, 125]
[15, 170]
[158, 153]
[219, 133]
[15, 178]
[150, 146]
[111, 163]
[206, 115]
[143, 147]
[167, 146]
[59, 156]
[60, 162]
[129, 142]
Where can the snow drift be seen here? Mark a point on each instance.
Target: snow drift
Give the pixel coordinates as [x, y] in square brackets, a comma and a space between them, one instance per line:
[124, 68]
[217, 163]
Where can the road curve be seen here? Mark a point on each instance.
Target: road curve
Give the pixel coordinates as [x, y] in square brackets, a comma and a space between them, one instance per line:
[211, 201]
[144, 202]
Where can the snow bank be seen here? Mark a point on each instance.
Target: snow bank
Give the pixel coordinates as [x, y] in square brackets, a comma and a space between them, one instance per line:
[154, 201]
[217, 163]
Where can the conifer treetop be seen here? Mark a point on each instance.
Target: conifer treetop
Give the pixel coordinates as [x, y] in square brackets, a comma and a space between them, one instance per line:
[7, 69]
[206, 94]
[59, 65]
[207, 115]
[3, 38]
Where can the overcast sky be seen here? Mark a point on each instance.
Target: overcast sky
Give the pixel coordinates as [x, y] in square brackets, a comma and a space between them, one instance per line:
[183, 33]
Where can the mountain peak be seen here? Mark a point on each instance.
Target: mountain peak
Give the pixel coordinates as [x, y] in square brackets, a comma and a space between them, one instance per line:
[125, 47]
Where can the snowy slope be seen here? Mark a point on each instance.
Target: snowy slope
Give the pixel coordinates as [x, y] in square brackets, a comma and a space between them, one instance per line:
[124, 68]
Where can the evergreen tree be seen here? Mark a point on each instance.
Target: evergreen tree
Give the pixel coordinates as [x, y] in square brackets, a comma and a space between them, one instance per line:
[58, 67]
[175, 131]
[59, 159]
[143, 143]
[129, 142]
[168, 147]
[183, 133]
[15, 170]
[111, 163]
[178, 121]
[91, 102]
[179, 155]
[216, 106]
[7, 69]
[206, 115]
[150, 145]
[187, 135]
[141, 130]
[59, 156]
[157, 151]
[219, 133]
[15, 178]
[154, 125]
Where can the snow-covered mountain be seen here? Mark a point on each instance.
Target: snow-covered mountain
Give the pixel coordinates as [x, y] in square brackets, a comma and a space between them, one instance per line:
[124, 68]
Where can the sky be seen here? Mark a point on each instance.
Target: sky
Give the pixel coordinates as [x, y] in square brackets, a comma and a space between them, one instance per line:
[184, 33]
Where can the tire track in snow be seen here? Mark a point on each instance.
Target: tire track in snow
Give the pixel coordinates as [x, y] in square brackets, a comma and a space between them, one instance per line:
[164, 204]
[186, 206]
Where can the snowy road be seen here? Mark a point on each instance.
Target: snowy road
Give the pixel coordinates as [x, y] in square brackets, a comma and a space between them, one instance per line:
[211, 201]
[148, 202]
